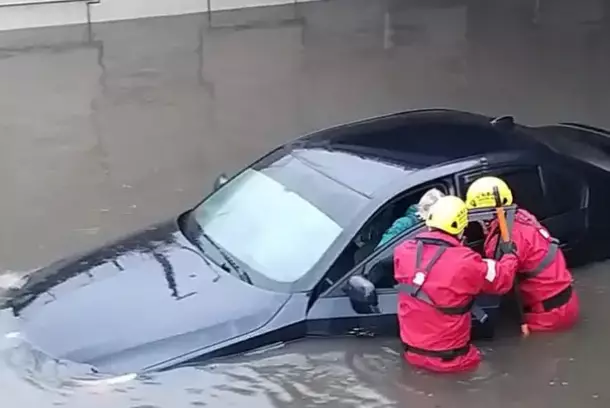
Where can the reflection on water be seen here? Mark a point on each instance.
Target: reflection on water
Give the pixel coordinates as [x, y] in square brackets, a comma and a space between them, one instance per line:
[152, 111]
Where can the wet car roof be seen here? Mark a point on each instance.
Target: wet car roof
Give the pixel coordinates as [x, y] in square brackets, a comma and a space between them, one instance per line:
[366, 157]
[357, 171]
[340, 169]
[309, 176]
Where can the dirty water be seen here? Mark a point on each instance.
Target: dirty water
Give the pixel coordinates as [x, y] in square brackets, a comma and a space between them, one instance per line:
[109, 128]
[544, 370]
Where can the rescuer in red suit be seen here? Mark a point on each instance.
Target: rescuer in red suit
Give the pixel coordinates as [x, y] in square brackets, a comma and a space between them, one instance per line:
[438, 279]
[545, 283]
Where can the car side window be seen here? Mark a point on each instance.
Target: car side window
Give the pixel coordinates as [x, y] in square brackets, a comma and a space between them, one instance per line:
[475, 238]
[526, 186]
[565, 190]
[527, 190]
[396, 217]
[369, 239]
[381, 269]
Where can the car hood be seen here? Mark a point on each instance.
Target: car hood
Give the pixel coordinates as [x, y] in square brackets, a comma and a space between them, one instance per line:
[137, 303]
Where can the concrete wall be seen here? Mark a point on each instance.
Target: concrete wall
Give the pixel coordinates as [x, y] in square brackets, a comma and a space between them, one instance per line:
[17, 14]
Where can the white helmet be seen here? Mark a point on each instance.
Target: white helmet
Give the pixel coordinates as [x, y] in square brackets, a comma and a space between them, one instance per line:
[428, 199]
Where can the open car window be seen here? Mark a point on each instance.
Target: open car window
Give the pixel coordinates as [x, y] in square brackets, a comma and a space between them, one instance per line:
[387, 282]
[473, 217]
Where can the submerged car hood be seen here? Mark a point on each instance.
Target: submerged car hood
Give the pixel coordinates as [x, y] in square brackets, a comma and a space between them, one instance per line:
[138, 302]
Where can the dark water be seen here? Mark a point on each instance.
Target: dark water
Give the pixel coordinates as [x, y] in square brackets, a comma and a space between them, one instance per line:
[109, 128]
[563, 370]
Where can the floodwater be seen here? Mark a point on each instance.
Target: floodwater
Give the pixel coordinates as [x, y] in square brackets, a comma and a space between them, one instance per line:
[106, 129]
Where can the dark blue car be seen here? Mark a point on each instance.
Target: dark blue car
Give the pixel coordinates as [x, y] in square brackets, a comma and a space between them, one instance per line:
[272, 254]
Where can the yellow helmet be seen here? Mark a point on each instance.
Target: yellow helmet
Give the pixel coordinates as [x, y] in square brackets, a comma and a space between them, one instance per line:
[480, 194]
[448, 214]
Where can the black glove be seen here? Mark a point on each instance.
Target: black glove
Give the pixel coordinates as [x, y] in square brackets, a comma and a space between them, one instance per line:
[507, 248]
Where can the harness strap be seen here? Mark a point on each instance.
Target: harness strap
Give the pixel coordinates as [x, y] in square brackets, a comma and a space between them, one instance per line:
[419, 294]
[445, 355]
[544, 263]
[415, 290]
[419, 253]
[555, 301]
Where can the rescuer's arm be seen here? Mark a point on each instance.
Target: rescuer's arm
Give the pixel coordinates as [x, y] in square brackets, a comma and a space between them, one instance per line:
[486, 275]
[499, 276]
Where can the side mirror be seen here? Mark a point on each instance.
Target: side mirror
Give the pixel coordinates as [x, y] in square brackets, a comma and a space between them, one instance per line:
[220, 181]
[362, 294]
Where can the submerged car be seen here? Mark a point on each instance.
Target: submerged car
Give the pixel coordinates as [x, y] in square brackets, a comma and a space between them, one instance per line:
[282, 250]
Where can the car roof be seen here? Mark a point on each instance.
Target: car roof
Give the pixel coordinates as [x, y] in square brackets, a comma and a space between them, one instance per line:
[360, 172]
[368, 155]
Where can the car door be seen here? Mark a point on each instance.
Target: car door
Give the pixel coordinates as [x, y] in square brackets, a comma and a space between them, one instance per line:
[567, 195]
[333, 313]
[565, 222]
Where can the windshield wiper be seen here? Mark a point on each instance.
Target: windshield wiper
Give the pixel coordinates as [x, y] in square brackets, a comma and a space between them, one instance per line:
[194, 232]
[229, 260]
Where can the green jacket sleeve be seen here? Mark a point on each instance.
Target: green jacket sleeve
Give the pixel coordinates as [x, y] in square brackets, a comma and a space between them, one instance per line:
[401, 224]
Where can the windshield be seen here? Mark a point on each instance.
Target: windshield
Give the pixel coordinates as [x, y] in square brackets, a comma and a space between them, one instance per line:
[279, 221]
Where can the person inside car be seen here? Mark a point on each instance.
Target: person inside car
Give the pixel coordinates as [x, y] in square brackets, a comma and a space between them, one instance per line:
[414, 214]
[438, 278]
[545, 283]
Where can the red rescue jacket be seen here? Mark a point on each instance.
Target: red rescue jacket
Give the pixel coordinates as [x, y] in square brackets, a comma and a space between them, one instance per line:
[454, 279]
[543, 275]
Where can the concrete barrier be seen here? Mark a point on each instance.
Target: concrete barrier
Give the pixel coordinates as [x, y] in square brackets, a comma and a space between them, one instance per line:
[40, 14]
[17, 14]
